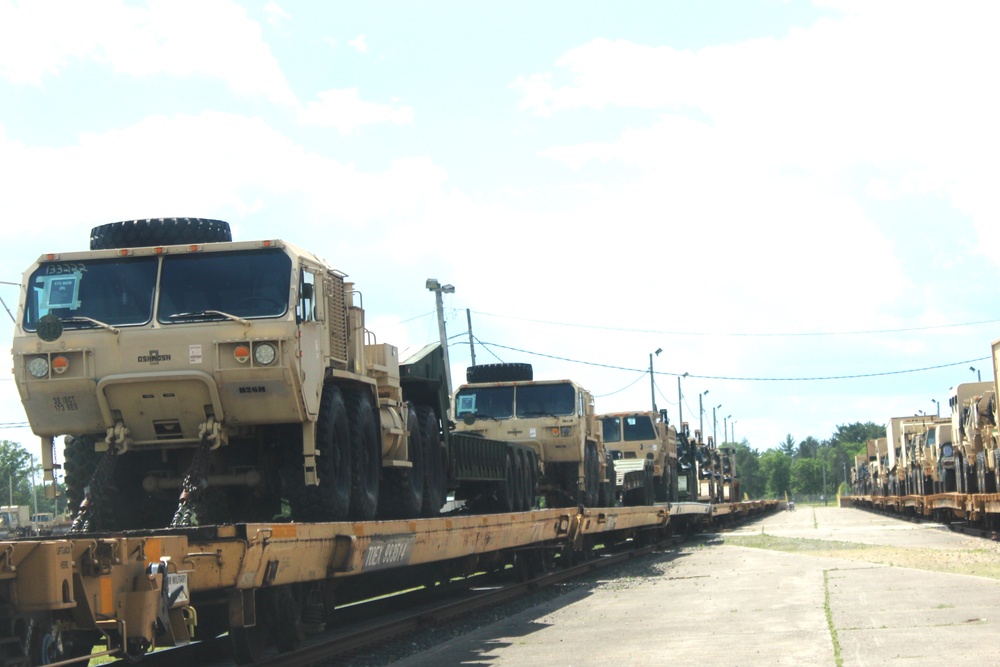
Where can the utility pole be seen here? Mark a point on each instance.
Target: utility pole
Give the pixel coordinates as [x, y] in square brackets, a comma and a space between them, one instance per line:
[701, 414]
[439, 289]
[652, 384]
[472, 347]
[680, 405]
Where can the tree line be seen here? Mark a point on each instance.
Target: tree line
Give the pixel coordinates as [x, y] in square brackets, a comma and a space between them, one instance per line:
[799, 468]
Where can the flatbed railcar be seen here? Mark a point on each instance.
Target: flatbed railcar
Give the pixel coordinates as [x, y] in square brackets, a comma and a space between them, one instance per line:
[269, 582]
[977, 509]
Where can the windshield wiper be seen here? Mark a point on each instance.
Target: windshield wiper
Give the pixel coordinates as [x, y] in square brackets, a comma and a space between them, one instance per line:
[208, 313]
[536, 413]
[83, 318]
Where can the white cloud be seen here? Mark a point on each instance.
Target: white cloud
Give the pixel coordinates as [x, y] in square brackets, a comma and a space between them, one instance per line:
[276, 15]
[360, 44]
[345, 110]
[208, 38]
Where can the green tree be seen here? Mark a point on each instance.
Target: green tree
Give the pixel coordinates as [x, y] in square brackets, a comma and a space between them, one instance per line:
[857, 432]
[808, 448]
[15, 474]
[787, 446]
[748, 470]
[775, 468]
[807, 476]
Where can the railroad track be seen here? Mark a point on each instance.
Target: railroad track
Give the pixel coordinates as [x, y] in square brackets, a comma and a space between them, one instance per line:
[389, 618]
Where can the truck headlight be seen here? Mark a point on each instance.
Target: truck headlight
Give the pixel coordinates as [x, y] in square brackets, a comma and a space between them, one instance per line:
[38, 367]
[264, 353]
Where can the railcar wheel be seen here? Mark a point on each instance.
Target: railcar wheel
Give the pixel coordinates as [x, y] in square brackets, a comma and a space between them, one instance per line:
[366, 457]
[402, 492]
[247, 644]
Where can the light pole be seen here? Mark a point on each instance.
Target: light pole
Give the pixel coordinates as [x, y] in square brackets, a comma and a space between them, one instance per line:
[938, 404]
[725, 429]
[433, 285]
[652, 385]
[715, 422]
[732, 432]
[701, 415]
[979, 376]
[680, 403]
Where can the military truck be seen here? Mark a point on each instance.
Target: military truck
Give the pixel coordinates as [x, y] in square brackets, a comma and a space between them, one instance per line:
[198, 379]
[648, 446]
[553, 419]
[878, 465]
[902, 436]
[14, 520]
[973, 426]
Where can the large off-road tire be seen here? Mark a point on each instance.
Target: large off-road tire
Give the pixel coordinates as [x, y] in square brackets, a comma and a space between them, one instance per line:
[498, 373]
[401, 494]
[79, 462]
[366, 457]
[158, 231]
[330, 499]
[436, 474]
[506, 490]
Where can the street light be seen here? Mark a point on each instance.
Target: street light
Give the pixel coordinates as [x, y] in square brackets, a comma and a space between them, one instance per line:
[979, 376]
[701, 415]
[715, 423]
[652, 385]
[732, 432]
[725, 428]
[938, 404]
[680, 403]
[433, 285]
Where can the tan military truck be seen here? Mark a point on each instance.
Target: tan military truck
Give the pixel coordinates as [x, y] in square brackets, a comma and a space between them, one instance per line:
[878, 465]
[555, 419]
[973, 426]
[198, 379]
[861, 476]
[901, 437]
[644, 443]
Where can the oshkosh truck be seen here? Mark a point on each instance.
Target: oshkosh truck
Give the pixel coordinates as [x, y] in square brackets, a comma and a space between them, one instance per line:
[205, 380]
[973, 426]
[646, 444]
[553, 419]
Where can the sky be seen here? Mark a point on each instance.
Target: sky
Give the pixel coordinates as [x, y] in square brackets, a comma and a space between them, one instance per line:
[794, 201]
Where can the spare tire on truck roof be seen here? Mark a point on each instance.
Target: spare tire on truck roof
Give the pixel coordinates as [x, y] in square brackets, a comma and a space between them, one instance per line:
[499, 373]
[158, 231]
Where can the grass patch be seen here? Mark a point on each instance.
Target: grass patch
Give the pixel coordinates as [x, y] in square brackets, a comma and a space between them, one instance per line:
[829, 619]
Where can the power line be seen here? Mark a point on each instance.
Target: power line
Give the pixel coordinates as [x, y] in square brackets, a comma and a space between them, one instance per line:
[641, 376]
[744, 379]
[741, 334]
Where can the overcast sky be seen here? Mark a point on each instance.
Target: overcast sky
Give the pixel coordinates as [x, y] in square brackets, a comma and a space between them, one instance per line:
[774, 193]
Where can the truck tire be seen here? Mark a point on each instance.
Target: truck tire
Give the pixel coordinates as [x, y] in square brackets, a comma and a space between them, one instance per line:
[436, 474]
[401, 494]
[366, 457]
[329, 500]
[158, 231]
[498, 373]
[79, 462]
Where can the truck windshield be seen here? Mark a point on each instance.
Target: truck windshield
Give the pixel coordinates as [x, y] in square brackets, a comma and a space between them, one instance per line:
[612, 429]
[536, 400]
[485, 402]
[639, 428]
[246, 283]
[113, 291]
